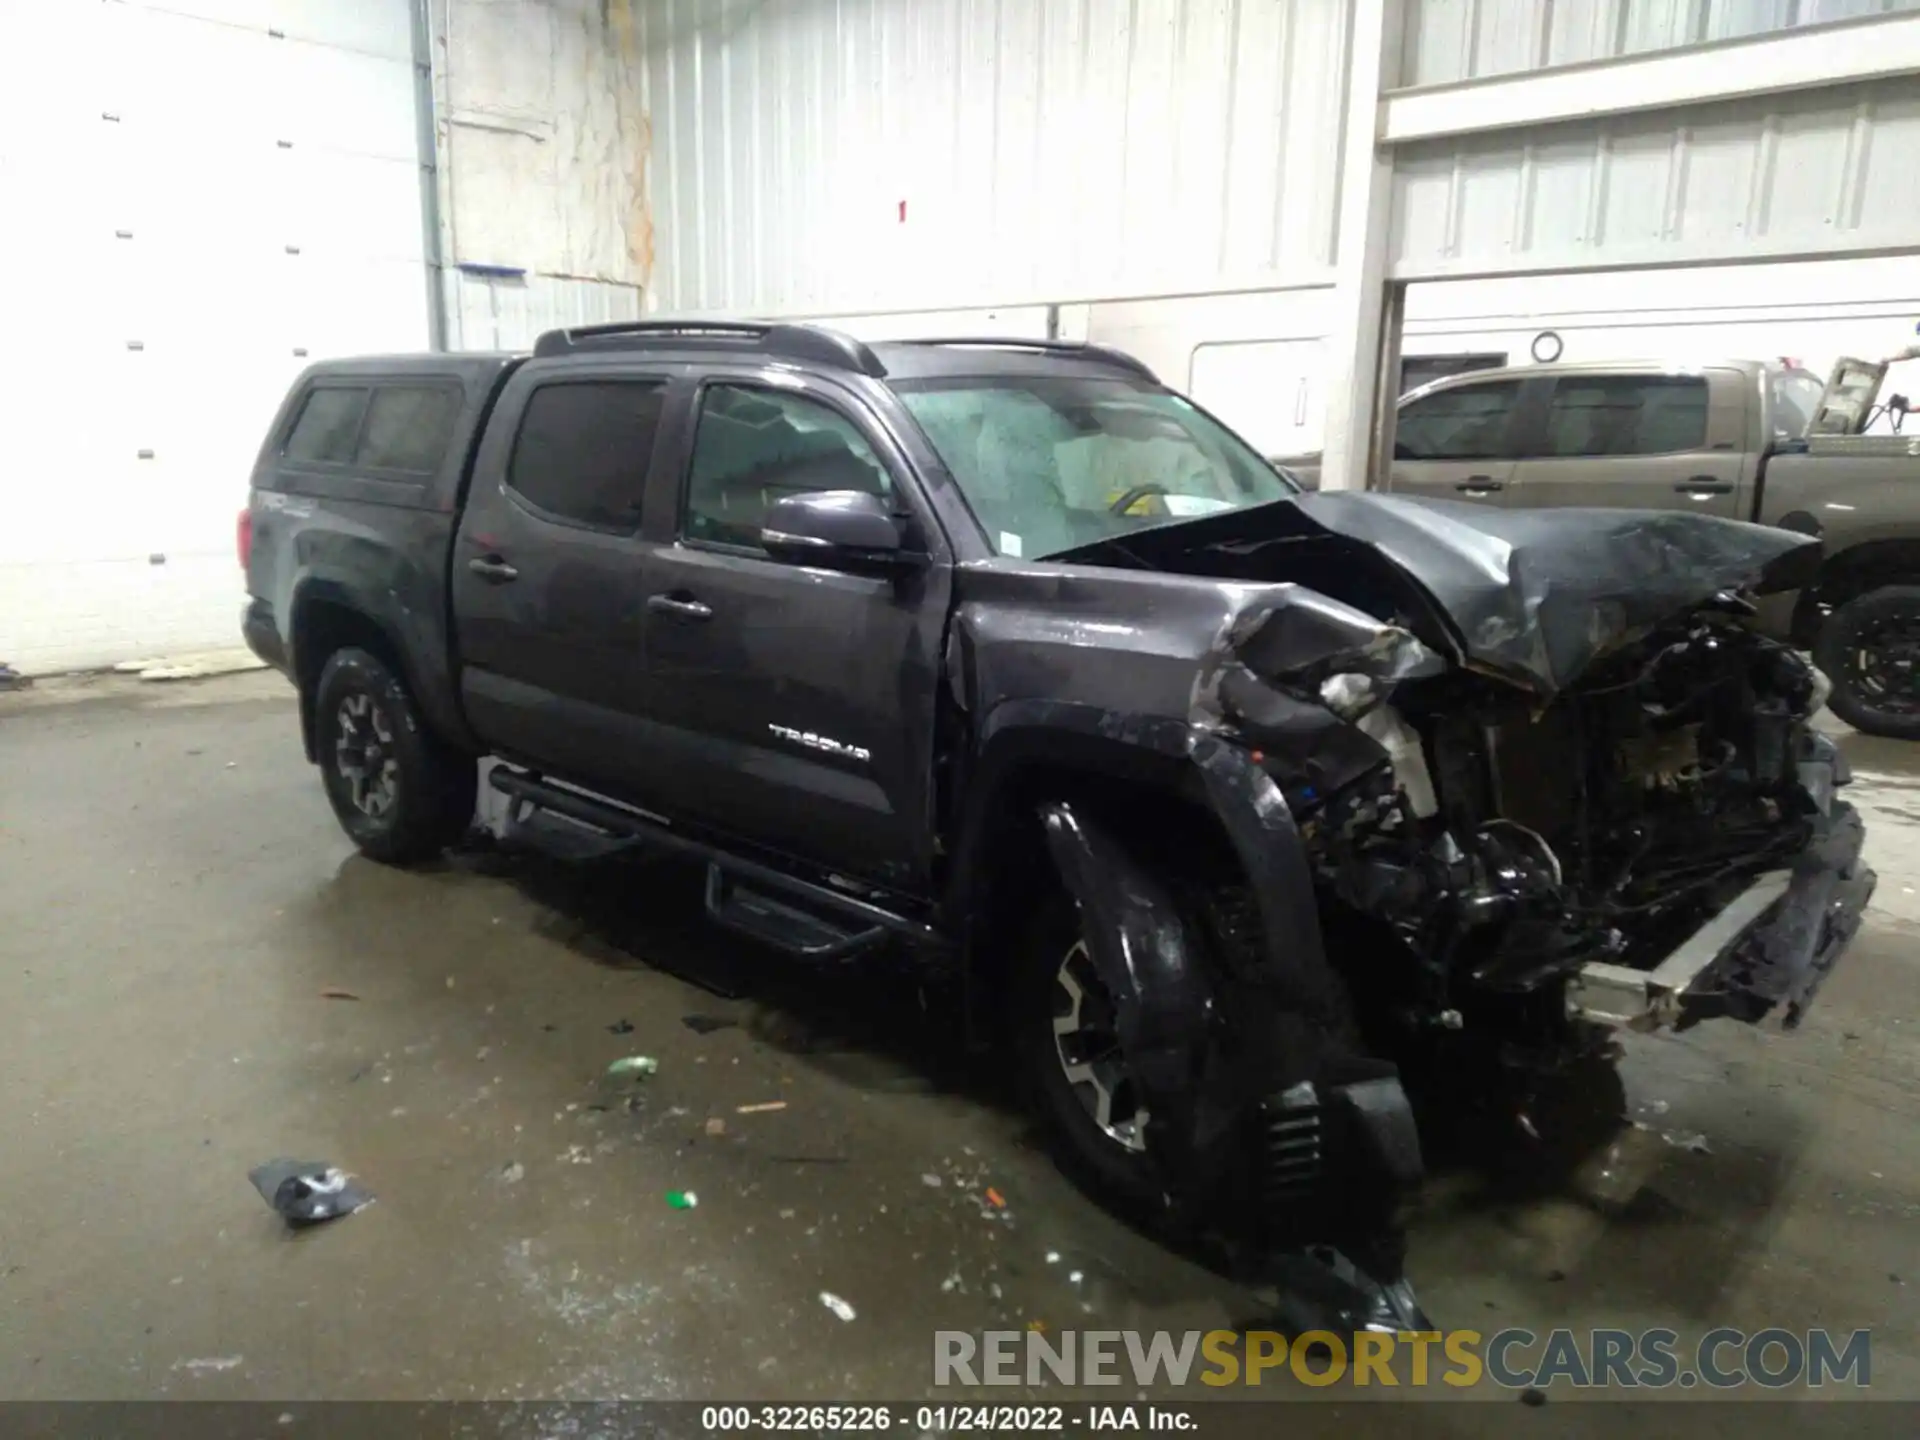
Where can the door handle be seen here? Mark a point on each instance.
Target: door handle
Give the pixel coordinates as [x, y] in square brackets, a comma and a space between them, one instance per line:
[684, 607]
[1480, 485]
[493, 570]
[1701, 486]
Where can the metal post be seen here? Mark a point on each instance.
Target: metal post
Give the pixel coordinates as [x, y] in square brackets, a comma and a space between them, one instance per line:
[427, 141]
[1354, 376]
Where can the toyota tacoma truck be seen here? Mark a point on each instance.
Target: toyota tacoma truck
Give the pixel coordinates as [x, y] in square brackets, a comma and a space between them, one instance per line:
[1742, 439]
[1272, 827]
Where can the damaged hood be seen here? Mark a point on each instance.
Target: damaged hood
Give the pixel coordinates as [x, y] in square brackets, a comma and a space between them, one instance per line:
[1534, 595]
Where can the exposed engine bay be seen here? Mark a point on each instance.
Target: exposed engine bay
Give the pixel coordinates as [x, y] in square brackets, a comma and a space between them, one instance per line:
[1508, 843]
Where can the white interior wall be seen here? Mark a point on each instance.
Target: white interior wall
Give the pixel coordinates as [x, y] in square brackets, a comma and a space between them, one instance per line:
[828, 156]
[201, 196]
[544, 142]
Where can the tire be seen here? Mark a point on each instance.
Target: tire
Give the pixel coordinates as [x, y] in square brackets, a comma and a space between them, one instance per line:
[1126, 1178]
[1861, 694]
[401, 793]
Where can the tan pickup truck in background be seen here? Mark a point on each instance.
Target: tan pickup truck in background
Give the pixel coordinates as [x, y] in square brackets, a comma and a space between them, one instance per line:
[1738, 438]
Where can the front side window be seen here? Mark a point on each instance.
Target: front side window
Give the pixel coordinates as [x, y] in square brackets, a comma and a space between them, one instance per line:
[1468, 422]
[1627, 415]
[1796, 400]
[583, 450]
[1050, 463]
[754, 447]
[327, 427]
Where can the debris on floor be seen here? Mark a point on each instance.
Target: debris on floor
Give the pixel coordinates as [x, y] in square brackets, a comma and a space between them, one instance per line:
[716, 1126]
[760, 1109]
[306, 1192]
[622, 1026]
[682, 1199]
[834, 1303]
[512, 1173]
[706, 1024]
[633, 1067]
[330, 993]
[996, 1199]
[930, 1180]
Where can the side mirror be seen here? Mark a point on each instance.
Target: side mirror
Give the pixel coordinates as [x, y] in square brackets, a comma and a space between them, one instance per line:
[848, 530]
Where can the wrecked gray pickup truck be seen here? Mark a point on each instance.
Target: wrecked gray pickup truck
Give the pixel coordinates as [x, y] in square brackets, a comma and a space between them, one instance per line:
[1249, 814]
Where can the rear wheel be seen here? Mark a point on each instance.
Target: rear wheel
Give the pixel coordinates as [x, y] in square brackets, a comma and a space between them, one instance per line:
[1870, 650]
[400, 793]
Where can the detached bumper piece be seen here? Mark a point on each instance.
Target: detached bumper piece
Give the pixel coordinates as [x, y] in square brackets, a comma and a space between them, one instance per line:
[1770, 949]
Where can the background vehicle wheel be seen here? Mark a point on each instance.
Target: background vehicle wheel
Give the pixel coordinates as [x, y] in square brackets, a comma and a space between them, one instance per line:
[1870, 650]
[1071, 1066]
[401, 793]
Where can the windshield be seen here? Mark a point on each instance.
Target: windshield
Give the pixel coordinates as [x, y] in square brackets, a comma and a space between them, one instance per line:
[1796, 400]
[1049, 463]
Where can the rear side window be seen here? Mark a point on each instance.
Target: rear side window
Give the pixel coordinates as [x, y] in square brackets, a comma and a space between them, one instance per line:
[408, 427]
[1626, 415]
[583, 450]
[329, 424]
[1465, 423]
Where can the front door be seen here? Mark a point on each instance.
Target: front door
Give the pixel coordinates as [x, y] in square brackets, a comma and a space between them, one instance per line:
[1638, 441]
[797, 702]
[548, 591]
[1456, 443]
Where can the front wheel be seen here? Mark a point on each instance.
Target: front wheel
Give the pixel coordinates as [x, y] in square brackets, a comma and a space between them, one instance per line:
[401, 793]
[1870, 650]
[1073, 1070]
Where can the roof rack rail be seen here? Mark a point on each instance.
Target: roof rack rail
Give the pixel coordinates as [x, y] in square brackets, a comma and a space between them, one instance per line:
[1080, 349]
[811, 343]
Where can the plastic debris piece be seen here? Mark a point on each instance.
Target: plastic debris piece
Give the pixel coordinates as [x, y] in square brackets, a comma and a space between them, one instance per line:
[996, 1199]
[1039, 1327]
[306, 1192]
[928, 1178]
[682, 1199]
[633, 1067]
[512, 1173]
[1053, 1257]
[716, 1126]
[332, 994]
[1075, 1277]
[622, 1026]
[834, 1303]
[707, 1024]
[762, 1108]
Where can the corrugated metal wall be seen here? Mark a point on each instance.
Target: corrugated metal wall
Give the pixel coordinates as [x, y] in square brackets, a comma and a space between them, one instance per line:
[544, 147]
[1818, 170]
[819, 154]
[1450, 40]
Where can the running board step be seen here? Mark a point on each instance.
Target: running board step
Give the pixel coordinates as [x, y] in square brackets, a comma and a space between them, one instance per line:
[791, 914]
[736, 906]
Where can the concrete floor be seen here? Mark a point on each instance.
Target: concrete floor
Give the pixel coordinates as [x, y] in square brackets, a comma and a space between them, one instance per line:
[175, 898]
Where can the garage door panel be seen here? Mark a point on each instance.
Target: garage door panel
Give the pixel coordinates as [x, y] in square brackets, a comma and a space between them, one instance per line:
[345, 101]
[349, 205]
[370, 25]
[269, 196]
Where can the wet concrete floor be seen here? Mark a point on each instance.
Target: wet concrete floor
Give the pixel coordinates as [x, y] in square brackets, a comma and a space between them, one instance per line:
[176, 902]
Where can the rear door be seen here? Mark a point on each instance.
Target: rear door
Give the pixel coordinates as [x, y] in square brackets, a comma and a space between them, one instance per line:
[1456, 442]
[796, 704]
[548, 588]
[1653, 441]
